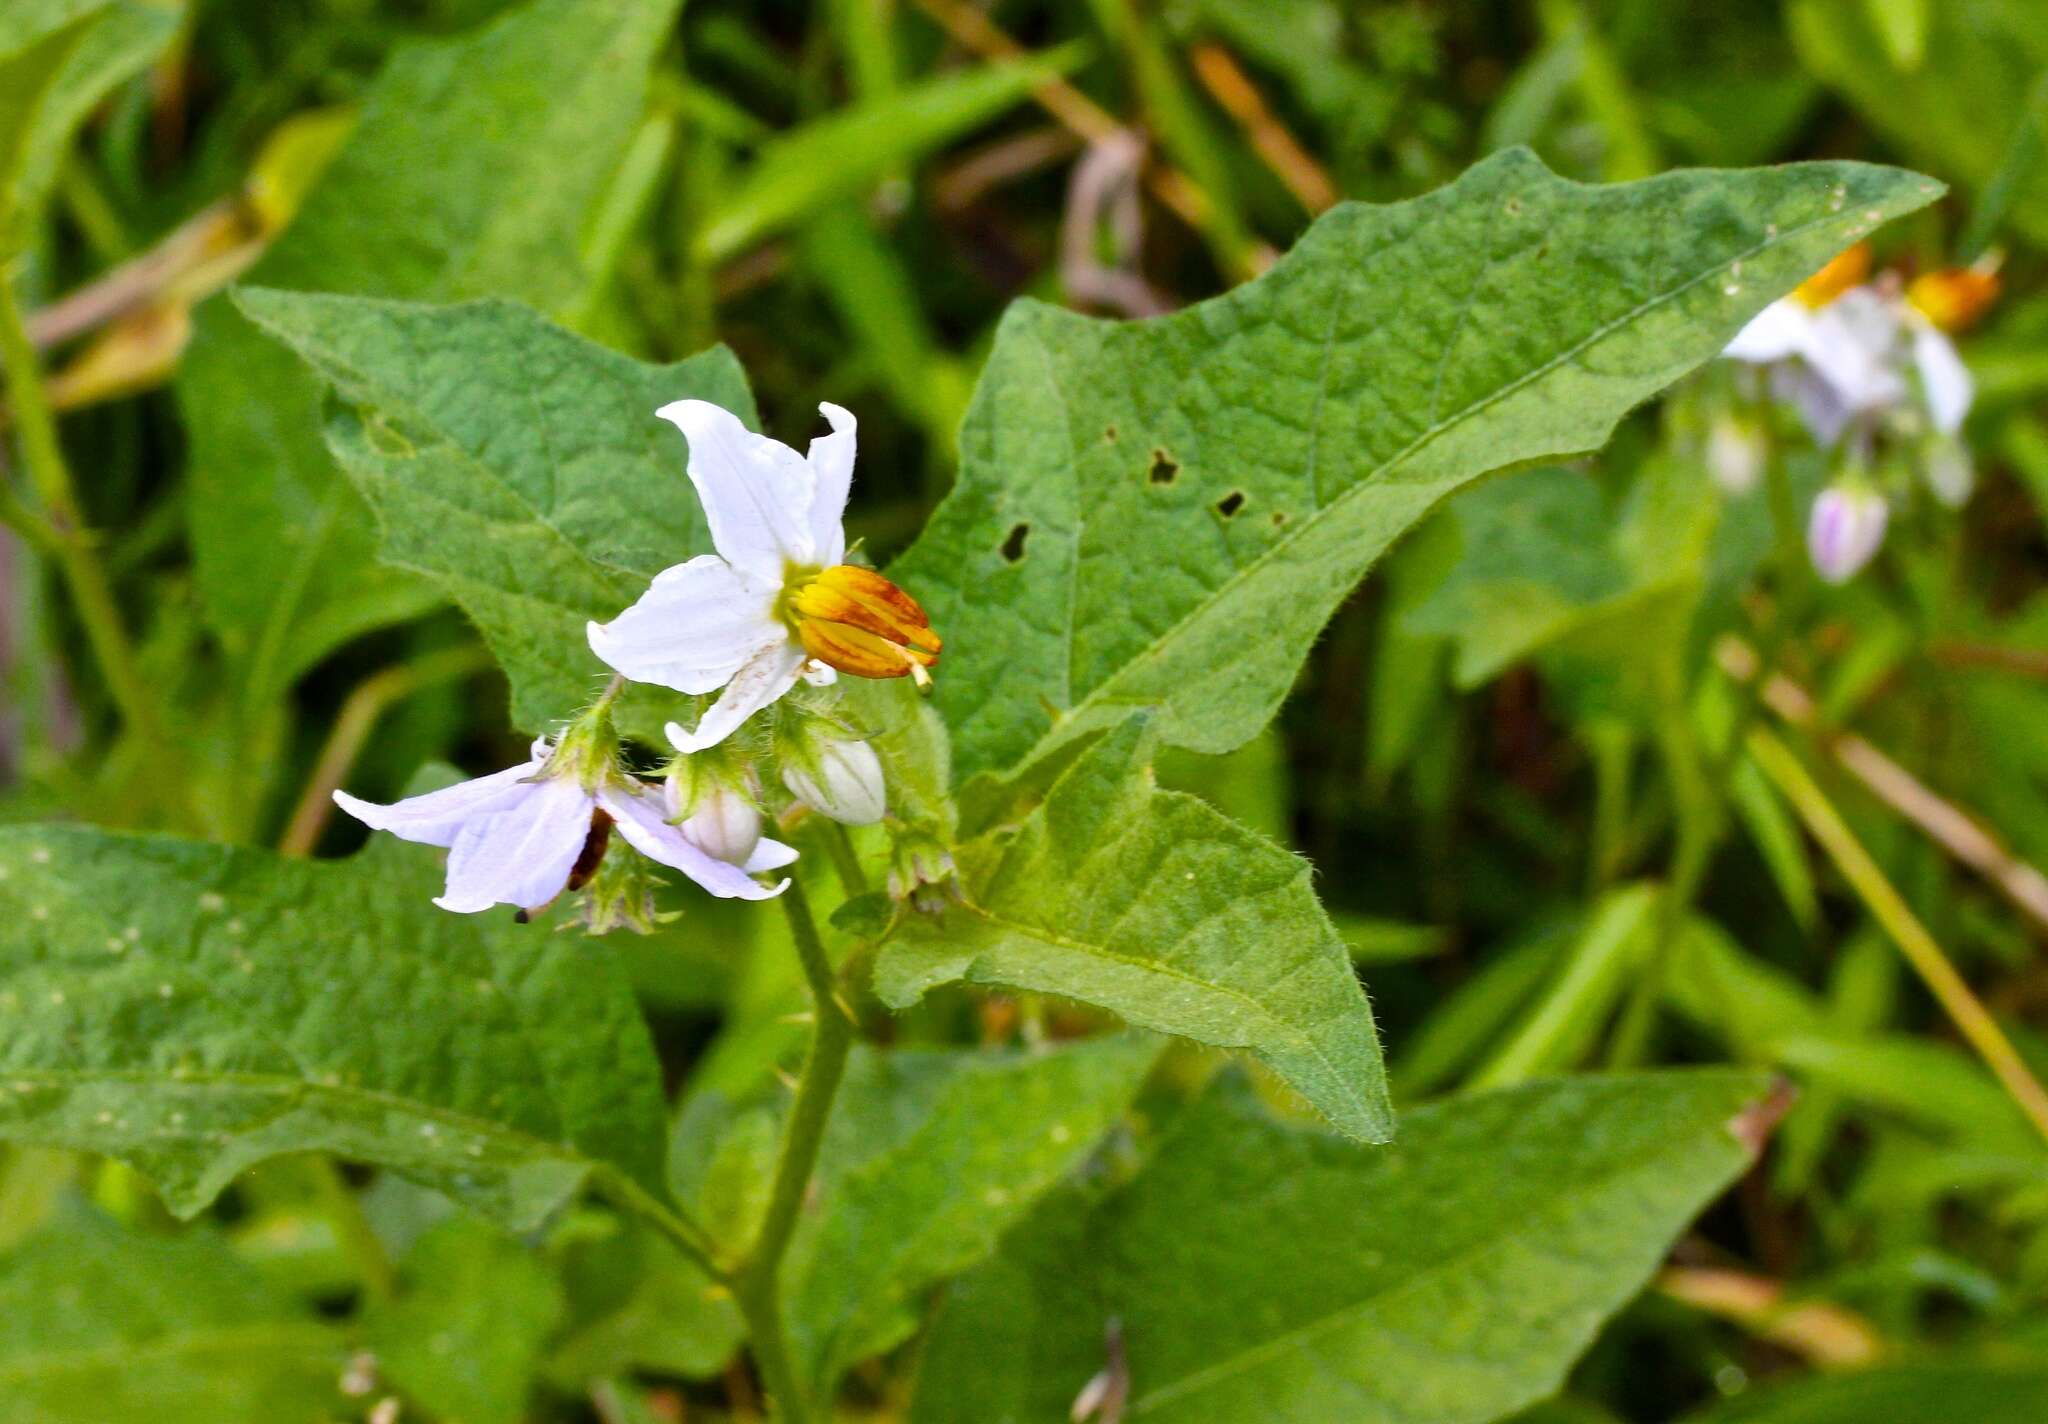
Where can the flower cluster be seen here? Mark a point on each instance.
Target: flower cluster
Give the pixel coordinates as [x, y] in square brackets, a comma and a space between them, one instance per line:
[1870, 368]
[776, 606]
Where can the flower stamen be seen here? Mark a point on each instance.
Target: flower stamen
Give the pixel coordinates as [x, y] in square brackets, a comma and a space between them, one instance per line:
[1845, 269]
[853, 619]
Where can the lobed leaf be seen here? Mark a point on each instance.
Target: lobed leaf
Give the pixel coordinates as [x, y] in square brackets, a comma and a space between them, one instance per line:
[514, 463]
[1164, 513]
[193, 1009]
[1261, 1272]
[470, 173]
[1156, 907]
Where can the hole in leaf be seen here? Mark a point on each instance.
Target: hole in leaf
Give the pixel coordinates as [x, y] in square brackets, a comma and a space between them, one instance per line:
[1013, 546]
[1279, 518]
[1230, 504]
[1164, 468]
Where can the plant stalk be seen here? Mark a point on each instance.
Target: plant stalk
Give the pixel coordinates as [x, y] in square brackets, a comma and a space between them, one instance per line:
[1964, 1009]
[60, 526]
[758, 1284]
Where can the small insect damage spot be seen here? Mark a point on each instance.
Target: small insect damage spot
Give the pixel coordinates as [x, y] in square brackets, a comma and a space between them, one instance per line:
[1279, 519]
[1230, 504]
[1013, 543]
[1109, 434]
[1165, 469]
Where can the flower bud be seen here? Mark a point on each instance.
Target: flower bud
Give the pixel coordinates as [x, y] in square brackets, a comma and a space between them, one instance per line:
[1949, 471]
[713, 810]
[1735, 453]
[837, 777]
[1846, 529]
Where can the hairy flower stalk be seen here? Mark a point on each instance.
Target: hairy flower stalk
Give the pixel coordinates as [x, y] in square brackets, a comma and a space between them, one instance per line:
[778, 602]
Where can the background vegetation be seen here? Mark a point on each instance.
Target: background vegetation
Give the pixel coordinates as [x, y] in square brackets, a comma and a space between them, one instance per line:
[1557, 814]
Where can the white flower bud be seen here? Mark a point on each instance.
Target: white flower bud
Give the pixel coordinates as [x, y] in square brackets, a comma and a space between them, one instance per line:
[840, 778]
[717, 817]
[1949, 472]
[1846, 530]
[1735, 454]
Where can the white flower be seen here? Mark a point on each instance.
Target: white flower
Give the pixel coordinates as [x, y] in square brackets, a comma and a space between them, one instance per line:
[776, 602]
[1736, 453]
[1841, 353]
[517, 837]
[1846, 529]
[840, 778]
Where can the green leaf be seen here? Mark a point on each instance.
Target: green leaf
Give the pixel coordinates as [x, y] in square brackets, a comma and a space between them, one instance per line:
[1541, 558]
[470, 173]
[121, 39]
[1164, 513]
[193, 1009]
[835, 157]
[514, 463]
[97, 1323]
[931, 1157]
[465, 1335]
[1959, 107]
[1558, 1029]
[1936, 1392]
[1263, 1272]
[1152, 905]
[660, 1313]
[34, 50]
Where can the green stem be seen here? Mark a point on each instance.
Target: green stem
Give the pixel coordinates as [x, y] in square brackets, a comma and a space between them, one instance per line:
[758, 1284]
[845, 860]
[63, 525]
[1701, 790]
[681, 1232]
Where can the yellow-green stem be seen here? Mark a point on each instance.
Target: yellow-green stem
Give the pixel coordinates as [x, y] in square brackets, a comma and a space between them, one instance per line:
[62, 524]
[1898, 921]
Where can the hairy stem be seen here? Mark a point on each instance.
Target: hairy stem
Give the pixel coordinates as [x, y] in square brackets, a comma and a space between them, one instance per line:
[758, 1284]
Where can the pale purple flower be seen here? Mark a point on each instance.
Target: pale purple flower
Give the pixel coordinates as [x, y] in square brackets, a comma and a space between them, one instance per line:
[1846, 529]
[515, 837]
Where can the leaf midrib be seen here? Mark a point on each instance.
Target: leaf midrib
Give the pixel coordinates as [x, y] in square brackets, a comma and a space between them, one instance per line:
[1369, 480]
[528, 1145]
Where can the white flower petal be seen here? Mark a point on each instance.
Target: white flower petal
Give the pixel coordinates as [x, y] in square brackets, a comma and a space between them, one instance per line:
[770, 855]
[1852, 345]
[697, 625]
[521, 855]
[771, 672]
[642, 820]
[437, 817]
[1776, 333]
[757, 492]
[1944, 378]
[831, 458]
